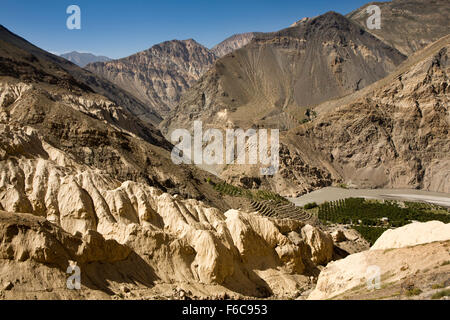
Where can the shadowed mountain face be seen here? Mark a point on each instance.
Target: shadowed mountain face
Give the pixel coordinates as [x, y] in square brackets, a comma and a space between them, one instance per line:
[82, 59]
[408, 25]
[233, 43]
[277, 76]
[160, 75]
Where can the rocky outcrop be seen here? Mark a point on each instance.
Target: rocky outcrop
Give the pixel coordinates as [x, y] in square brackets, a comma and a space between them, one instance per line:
[25, 237]
[397, 256]
[179, 240]
[339, 236]
[80, 199]
[160, 75]
[412, 235]
[301, 21]
[233, 43]
[320, 243]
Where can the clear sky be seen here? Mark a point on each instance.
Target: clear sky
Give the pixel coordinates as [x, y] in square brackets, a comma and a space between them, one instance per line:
[120, 28]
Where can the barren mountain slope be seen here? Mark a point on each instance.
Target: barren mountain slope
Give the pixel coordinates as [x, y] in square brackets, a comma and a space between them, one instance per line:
[394, 133]
[397, 135]
[160, 75]
[278, 75]
[408, 25]
[233, 43]
[33, 60]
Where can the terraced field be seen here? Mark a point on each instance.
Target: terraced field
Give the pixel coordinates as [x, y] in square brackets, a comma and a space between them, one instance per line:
[266, 203]
[279, 210]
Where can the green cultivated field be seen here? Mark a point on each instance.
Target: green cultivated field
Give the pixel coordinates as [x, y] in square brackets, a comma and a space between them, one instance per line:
[366, 215]
[257, 195]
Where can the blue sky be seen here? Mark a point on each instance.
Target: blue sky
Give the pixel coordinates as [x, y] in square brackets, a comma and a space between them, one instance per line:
[120, 28]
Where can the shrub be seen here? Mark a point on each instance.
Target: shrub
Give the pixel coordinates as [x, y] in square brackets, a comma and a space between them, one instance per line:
[441, 294]
[413, 292]
[311, 205]
[437, 286]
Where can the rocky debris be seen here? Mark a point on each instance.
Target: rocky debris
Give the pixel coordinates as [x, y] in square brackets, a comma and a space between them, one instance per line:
[320, 243]
[8, 286]
[125, 289]
[412, 235]
[160, 75]
[346, 240]
[338, 236]
[181, 294]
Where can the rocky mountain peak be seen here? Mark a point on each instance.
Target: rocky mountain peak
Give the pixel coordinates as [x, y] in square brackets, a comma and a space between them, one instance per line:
[159, 75]
[325, 27]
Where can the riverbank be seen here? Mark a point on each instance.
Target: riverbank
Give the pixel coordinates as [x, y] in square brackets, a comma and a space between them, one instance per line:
[335, 193]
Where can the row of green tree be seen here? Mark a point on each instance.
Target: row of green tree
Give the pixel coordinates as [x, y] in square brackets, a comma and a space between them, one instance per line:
[369, 213]
[367, 216]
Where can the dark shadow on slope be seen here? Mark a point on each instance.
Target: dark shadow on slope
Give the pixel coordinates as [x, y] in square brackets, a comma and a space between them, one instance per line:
[133, 271]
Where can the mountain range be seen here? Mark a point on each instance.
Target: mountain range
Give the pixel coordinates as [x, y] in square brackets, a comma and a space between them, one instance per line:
[273, 80]
[160, 75]
[87, 176]
[81, 59]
